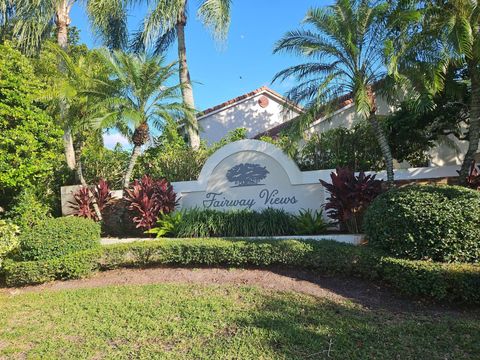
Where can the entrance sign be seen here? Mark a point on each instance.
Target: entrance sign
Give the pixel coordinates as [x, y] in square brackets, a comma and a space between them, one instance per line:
[251, 174]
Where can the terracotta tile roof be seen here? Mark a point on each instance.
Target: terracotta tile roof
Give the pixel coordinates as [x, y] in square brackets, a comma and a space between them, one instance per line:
[245, 96]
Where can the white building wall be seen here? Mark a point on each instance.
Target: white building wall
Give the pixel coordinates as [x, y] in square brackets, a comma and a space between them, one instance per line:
[346, 117]
[447, 153]
[247, 114]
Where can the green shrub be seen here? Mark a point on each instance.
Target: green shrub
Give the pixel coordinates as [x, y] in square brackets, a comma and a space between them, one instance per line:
[28, 210]
[328, 257]
[441, 223]
[421, 279]
[309, 222]
[8, 239]
[30, 141]
[167, 225]
[442, 282]
[199, 223]
[58, 237]
[72, 266]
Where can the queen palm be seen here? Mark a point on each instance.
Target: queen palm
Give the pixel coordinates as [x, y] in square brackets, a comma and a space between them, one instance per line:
[33, 21]
[345, 49]
[453, 27]
[135, 96]
[165, 23]
[73, 88]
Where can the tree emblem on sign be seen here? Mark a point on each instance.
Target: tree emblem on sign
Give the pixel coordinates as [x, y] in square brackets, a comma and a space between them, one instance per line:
[247, 174]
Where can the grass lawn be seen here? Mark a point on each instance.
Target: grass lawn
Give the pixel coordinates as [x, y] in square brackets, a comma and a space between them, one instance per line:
[222, 322]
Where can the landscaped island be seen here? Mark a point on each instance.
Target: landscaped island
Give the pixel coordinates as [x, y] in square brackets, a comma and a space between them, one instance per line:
[335, 215]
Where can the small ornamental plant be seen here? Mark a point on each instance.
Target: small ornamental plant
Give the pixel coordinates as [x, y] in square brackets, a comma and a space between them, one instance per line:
[83, 200]
[149, 198]
[473, 178]
[350, 195]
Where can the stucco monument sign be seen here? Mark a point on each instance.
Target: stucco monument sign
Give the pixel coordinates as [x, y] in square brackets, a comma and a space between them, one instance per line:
[251, 174]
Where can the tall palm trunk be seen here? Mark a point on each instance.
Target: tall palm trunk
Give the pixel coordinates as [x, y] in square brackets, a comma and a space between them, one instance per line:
[474, 128]
[187, 91]
[131, 165]
[62, 22]
[79, 171]
[381, 138]
[384, 147]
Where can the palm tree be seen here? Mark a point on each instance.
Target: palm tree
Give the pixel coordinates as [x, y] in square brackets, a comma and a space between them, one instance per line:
[135, 96]
[443, 34]
[346, 52]
[165, 23]
[73, 88]
[33, 22]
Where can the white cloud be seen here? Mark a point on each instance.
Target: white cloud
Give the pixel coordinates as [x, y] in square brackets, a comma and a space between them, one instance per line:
[111, 140]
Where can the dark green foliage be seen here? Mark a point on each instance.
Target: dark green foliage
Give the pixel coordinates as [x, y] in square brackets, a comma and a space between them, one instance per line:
[356, 148]
[309, 222]
[441, 223]
[419, 279]
[172, 158]
[28, 210]
[328, 257]
[101, 163]
[30, 142]
[457, 283]
[72, 266]
[443, 282]
[213, 223]
[58, 237]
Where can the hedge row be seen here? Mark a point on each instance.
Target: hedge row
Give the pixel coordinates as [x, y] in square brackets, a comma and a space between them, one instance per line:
[72, 266]
[327, 257]
[434, 281]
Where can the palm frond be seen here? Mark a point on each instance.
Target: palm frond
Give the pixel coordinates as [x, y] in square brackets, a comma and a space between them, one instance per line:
[215, 15]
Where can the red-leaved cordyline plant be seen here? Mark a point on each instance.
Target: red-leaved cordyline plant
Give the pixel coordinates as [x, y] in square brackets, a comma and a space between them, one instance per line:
[83, 200]
[148, 199]
[473, 178]
[350, 195]
[102, 194]
[82, 204]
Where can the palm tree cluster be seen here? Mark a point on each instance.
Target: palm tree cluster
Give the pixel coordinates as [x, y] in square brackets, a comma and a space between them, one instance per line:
[30, 22]
[401, 49]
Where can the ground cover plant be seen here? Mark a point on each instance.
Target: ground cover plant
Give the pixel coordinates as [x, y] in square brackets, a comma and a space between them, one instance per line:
[198, 223]
[219, 322]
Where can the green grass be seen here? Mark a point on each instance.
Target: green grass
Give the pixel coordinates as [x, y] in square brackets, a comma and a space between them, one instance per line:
[222, 322]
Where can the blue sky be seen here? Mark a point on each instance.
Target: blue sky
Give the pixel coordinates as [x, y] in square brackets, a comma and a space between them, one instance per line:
[244, 63]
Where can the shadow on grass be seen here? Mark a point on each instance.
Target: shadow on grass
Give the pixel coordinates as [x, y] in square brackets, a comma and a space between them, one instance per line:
[323, 329]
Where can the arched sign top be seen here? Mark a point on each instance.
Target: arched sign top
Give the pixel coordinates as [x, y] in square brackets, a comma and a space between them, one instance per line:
[254, 175]
[251, 146]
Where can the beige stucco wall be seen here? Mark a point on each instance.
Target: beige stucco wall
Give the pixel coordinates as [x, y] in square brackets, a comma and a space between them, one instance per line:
[247, 114]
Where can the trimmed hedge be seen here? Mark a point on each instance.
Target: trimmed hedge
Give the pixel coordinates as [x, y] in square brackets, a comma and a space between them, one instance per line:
[439, 223]
[58, 237]
[72, 266]
[326, 256]
[444, 282]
